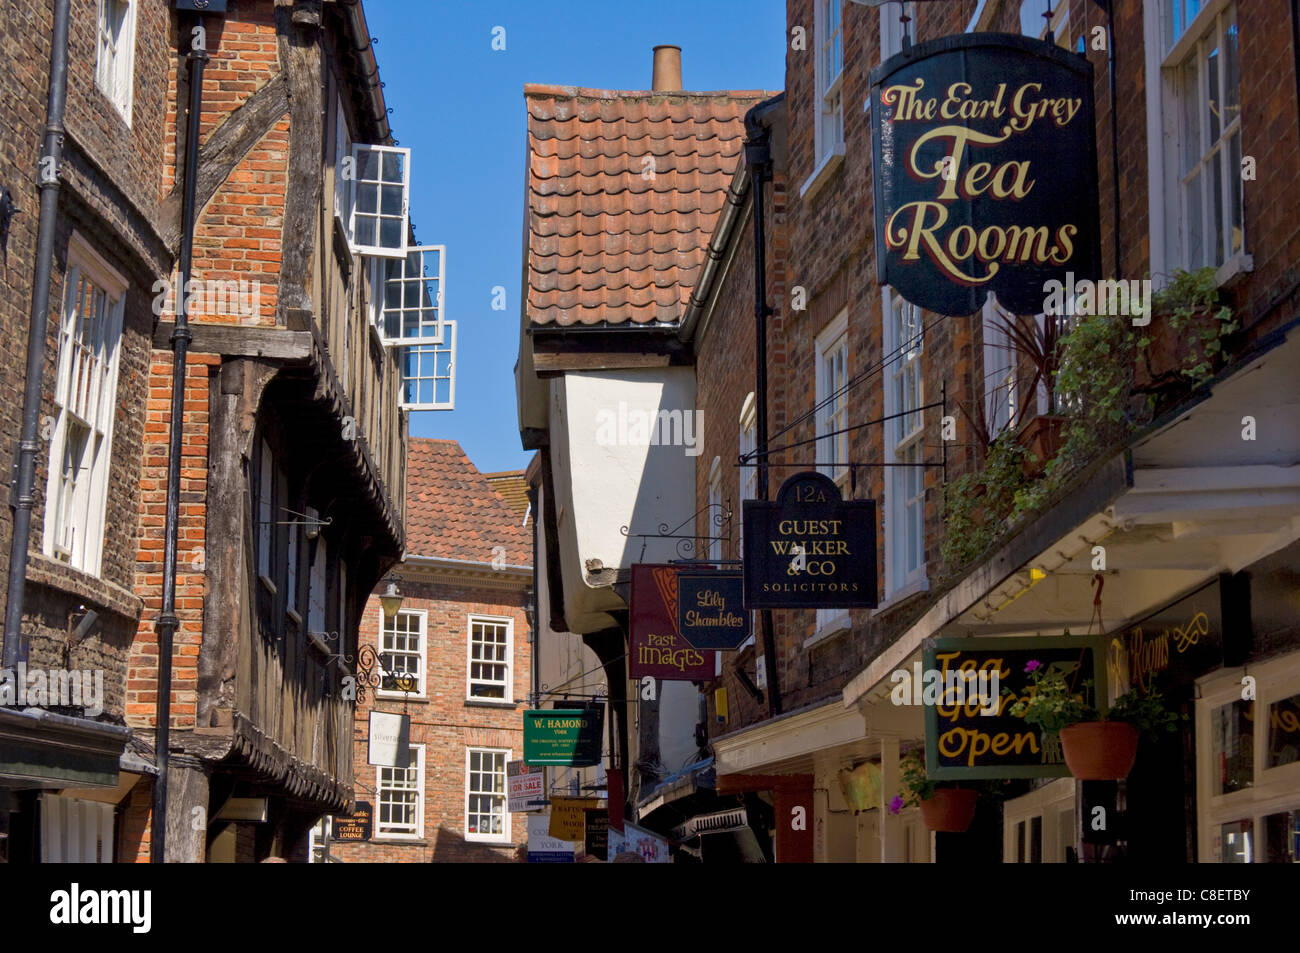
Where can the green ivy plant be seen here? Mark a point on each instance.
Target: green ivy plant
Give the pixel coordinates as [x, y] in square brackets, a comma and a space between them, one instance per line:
[1196, 312]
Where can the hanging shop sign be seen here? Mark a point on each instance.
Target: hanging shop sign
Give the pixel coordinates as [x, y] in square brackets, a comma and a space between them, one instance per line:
[542, 847]
[970, 731]
[564, 736]
[568, 817]
[356, 826]
[810, 549]
[655, 647]
[524, 787]
[1170, 649]
[985, 161]
[711, 609]
[390, 739]
[596, 836]
[652, 848]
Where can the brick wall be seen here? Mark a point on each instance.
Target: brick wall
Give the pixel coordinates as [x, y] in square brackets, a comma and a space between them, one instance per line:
[444, 722]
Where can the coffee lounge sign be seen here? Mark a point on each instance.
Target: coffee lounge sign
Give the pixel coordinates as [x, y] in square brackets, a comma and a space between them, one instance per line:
[810, 548]
[985, 163]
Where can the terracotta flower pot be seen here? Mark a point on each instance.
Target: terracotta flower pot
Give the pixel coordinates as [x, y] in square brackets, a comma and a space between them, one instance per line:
[1041, 436]
[1100, 750]
[949, 810]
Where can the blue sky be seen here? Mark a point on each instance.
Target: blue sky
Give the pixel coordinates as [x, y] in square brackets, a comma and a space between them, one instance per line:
[459, 106]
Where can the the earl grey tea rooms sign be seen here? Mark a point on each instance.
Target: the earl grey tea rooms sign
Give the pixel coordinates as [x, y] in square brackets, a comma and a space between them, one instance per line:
[810, 548]
[985, 162]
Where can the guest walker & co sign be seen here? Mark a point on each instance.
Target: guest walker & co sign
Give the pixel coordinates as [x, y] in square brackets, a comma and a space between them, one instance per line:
[810, 548]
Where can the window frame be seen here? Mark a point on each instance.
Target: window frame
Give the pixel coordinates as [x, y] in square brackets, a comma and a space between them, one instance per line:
[828, 97]
[84, 262]
[440, 279]
[832, 341]
[359, 149]
[505, 836]
[117, 80]
[1166, 58]
[509, 684]
[900, 447]
[423, 654]
[747, 480]
[408, 352]
[418, 834]
[713, 529]
[1273, 790]
[1000, 371]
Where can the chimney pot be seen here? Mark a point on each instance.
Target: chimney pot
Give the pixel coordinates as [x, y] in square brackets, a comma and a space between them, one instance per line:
[667, 76]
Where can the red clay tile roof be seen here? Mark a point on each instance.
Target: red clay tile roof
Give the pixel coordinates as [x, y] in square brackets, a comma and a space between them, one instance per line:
[607, 243]
[452, 511]
[513, 489]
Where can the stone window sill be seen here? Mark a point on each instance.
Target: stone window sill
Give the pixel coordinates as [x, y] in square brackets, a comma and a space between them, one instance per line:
[824, 172]
[840, 622]
[1232, 271]
[489, 703]
[52, 574]
[908, 593]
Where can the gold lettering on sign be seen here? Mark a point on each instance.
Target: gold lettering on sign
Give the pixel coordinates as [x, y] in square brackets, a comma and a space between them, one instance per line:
[966, 255]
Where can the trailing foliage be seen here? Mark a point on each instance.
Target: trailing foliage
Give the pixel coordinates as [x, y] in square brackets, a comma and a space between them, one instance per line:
[1196, 312]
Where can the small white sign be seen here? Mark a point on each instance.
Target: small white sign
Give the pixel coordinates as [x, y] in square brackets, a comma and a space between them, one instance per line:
[524, 787]
[542, 847]
[390, 740]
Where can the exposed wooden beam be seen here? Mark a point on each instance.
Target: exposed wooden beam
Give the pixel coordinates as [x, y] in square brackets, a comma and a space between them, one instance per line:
[236, 341]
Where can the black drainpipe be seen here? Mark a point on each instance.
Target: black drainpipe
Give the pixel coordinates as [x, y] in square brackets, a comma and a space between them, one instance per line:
[1295, 50]
[758, 156]
[167, 620]
[23, 486]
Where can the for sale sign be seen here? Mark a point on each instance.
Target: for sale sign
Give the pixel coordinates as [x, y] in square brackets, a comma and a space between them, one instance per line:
[524, 791]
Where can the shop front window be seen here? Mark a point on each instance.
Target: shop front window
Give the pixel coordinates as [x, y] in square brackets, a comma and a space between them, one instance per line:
[1284, 731]
[1282, 838]
[1237, 842]
[1234, 746]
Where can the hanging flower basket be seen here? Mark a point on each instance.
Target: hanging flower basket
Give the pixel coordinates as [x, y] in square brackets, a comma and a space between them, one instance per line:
[1100, 750]
[949, 810]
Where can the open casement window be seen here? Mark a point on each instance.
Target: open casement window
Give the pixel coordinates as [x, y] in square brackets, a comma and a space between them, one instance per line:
[411, 310]
[85, 398]
[429, 373]
[380, 200]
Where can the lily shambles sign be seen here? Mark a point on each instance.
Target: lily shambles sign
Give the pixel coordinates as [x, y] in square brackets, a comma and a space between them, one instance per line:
[810, 549]
[985, 160]
[710, 609]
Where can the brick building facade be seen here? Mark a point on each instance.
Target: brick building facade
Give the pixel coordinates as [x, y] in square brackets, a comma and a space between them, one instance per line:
[286, 327]
[464, 632]
[1157, 488]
